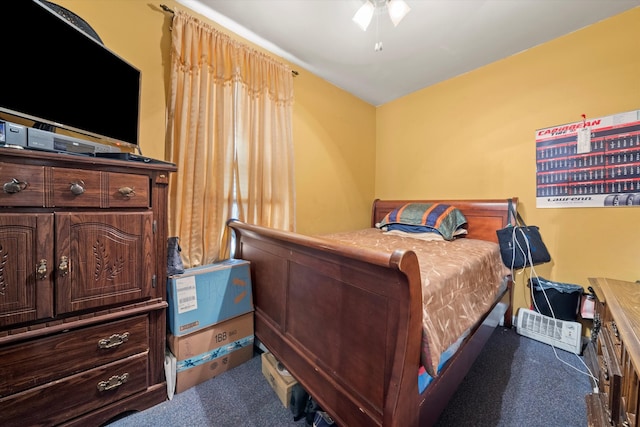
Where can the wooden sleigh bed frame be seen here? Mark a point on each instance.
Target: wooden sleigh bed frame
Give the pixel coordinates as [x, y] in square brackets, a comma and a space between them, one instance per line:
[347, 322]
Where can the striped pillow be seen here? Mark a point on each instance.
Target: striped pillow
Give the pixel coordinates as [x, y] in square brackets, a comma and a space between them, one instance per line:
[424, 217]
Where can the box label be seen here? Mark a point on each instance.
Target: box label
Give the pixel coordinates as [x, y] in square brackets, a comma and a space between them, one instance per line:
[186, 292]
[189, 326]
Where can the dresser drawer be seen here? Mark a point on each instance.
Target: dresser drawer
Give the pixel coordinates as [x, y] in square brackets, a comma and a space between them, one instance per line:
[610, 373]
[22, 185]
[128, 190]
[63, 399]
[76, 187]
[37, 362]
[609, 364]
[616, 342]
[96, 189]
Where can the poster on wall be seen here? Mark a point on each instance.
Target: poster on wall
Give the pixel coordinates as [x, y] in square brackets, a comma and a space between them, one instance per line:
[589, 163]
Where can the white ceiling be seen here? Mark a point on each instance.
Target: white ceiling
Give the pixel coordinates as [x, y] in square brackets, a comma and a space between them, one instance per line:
[437, 40]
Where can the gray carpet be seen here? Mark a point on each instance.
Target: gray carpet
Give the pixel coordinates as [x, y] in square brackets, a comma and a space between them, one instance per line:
[515, 381]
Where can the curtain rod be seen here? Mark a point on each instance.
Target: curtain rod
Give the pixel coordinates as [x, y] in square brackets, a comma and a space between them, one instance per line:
[168, 9]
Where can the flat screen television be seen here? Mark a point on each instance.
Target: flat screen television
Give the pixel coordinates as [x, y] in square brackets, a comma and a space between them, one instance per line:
[54, 73]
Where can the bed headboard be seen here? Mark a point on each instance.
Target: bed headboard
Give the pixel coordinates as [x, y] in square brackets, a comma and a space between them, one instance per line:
[483, 216]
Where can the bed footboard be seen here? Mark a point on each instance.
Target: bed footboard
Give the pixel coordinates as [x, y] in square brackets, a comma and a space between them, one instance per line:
[346, 323]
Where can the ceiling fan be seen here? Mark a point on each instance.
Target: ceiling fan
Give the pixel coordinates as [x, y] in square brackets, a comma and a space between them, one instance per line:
[397, 10]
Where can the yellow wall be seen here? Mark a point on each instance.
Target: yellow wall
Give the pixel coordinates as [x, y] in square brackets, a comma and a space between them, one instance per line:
[136, 31]
[474, 137]
[334, 140]
[333, 132]
[470, 137]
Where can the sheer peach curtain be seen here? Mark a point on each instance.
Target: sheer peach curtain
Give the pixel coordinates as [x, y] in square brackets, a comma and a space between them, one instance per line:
[230, 135]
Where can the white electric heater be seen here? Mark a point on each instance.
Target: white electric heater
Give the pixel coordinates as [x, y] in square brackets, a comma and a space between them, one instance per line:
[557, 333]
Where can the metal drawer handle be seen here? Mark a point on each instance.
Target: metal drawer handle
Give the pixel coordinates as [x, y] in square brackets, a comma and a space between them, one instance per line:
[77, 187]
[127, 192]
[41, 269]
[596, 327]
[63, 267]
[114, 340]
[113, 382]
[14, 186]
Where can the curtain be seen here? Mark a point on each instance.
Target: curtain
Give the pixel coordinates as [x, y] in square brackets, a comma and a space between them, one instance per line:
[230, 135]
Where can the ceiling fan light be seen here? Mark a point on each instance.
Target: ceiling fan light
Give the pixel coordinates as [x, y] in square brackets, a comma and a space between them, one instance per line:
[398, 9]
[364, 15]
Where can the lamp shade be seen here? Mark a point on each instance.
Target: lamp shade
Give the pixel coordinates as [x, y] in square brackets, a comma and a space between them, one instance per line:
[397, 10]
[364, 15]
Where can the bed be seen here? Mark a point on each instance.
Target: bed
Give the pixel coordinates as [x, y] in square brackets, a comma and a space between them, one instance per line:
[347, 321]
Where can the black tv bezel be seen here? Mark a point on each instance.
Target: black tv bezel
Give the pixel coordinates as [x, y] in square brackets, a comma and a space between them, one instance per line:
[93, 134]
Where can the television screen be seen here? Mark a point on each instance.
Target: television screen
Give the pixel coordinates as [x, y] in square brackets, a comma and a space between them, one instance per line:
[55, 73]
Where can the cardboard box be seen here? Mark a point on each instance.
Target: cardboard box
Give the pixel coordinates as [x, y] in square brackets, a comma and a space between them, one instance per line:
[207, 295]
[281, 384]
[204, 354]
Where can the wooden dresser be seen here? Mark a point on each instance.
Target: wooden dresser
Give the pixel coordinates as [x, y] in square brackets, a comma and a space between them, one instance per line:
[613, 354]
[82, 287]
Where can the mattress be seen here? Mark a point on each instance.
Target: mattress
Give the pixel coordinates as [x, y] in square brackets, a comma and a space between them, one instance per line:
[461, 279]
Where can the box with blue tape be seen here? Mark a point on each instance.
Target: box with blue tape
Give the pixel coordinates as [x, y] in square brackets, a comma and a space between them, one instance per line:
[206, 353]
[206, 295]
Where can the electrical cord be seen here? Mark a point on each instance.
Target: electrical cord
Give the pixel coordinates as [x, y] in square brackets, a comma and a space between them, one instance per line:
[526, 252]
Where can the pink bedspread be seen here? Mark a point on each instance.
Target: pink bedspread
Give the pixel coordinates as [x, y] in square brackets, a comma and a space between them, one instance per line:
[460, 281]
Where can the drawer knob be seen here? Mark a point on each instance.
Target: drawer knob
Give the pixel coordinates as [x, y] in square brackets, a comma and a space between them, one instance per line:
[114, 340]
[127, 192]
[14, 186]
[77, 187]
[113, 382]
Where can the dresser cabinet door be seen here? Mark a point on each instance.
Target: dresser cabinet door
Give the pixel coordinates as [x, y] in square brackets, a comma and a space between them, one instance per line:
[26, 279]
[103, 259]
